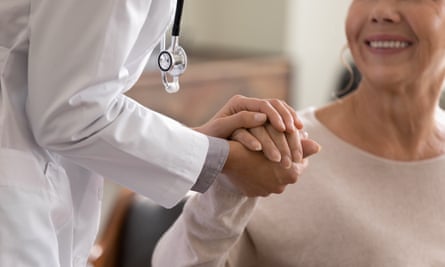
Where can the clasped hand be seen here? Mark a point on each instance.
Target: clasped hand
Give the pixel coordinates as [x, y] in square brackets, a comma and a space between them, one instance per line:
[268, 147]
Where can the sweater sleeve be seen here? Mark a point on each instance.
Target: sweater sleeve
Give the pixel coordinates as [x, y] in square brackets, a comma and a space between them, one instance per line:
[211, 223]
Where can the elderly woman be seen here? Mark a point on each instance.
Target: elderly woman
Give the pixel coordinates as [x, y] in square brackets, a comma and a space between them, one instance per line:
[375, 194]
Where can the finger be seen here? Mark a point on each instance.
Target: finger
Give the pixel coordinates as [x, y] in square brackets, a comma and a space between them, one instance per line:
[244, 119]
[247, 139]
[270, 150]
[294, 173]
[297, 122]
[225, 126]
[295, 147]
[239, 103]
[310, 147]
[285, 113]
[280, 142]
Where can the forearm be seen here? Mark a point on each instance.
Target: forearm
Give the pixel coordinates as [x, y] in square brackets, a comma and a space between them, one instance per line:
[208, 227]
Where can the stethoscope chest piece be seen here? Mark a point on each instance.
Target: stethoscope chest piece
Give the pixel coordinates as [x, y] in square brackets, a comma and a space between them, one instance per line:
[173, 61]
[165, 61]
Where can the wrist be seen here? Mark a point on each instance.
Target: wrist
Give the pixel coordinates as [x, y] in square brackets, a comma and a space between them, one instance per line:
[233, 157]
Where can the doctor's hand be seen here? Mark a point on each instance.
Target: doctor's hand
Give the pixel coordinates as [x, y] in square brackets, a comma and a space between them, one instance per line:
[254, 175]
[244, 112]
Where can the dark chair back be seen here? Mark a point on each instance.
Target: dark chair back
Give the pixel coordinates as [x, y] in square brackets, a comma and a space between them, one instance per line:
[132, 231]
[146, 222]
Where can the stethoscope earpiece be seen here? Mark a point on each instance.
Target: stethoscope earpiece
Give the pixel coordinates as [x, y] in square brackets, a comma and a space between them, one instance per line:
[173, 61]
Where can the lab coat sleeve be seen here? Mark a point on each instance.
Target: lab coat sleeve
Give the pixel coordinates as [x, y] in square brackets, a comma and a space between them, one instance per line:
[216, 158]
[83, 55]
[209, 226]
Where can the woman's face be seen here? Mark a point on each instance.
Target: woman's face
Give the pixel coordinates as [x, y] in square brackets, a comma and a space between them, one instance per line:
[397, 41]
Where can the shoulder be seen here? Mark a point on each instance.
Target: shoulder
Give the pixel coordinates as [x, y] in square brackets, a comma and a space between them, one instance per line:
[311, 124]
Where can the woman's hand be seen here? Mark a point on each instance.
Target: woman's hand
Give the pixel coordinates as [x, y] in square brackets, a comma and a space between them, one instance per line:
[254, 175]
[277, 146]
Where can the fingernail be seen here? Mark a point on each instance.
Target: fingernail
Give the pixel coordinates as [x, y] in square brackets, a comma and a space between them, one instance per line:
[283, 125]
[298, 123]
[260, 117]
[303, 134]
[292, 127]
[276, 156]
[257, 146]
[287, 162]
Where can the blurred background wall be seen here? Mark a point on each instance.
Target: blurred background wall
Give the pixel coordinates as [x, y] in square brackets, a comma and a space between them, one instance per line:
[309, 33]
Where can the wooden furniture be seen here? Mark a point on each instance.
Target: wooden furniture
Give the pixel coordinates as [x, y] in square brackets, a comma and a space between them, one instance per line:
[206, 86]
[105, 252]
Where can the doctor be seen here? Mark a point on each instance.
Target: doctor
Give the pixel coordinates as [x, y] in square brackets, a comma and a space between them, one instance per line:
[65, 124]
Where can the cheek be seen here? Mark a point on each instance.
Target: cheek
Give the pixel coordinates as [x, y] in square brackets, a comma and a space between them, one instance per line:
[433, 28]
[352, 26]
[440, 36]
[352, 32]
[431, 52]
[432, 40]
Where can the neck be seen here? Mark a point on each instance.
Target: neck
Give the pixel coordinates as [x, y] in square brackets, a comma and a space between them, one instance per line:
[397, 125]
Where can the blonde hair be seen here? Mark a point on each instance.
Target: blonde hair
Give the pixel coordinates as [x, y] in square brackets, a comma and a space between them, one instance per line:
[348, 64]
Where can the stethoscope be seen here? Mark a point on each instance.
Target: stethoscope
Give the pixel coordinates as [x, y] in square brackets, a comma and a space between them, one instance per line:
[173, 61]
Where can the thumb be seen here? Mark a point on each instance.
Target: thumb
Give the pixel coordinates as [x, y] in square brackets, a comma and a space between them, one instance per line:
[243, 119]
[249, 119]
[224, 127]
[310, 147]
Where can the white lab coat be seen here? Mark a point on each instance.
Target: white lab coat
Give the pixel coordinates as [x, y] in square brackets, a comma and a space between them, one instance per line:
[65, 124]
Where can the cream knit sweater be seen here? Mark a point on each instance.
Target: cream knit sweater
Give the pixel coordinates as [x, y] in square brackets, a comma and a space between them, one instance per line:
[348, 209]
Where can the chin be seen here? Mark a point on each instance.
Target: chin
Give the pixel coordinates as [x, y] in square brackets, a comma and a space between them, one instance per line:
[387, 78]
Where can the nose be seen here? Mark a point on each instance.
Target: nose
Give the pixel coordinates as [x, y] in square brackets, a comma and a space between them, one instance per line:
[385, 11]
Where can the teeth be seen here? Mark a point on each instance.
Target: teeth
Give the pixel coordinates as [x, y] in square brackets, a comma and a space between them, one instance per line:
[388, 44]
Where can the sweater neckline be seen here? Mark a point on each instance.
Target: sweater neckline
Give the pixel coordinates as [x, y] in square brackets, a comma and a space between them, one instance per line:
[343, 145]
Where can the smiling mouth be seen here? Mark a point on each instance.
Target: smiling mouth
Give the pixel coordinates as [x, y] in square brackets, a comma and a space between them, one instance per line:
[388, 44]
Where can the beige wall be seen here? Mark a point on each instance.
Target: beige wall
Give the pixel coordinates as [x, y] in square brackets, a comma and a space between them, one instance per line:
[236, 25]
[309, 32]
[316, 38]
